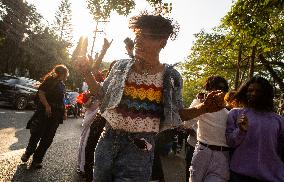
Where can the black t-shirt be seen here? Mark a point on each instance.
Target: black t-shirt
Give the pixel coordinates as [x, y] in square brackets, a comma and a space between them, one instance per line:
[54, 90]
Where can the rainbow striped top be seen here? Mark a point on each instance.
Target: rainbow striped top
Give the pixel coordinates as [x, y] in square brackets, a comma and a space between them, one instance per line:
[140, 108]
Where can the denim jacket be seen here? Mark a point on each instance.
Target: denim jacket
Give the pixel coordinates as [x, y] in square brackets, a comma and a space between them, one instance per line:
[113, 87]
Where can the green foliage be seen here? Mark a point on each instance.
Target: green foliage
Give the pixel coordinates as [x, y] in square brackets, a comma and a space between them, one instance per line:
[45, 51]
[252, 30]
[25, 43]
[63, 22]
[101, 9]
[19, 22]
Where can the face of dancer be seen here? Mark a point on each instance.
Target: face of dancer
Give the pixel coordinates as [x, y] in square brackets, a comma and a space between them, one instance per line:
[146, 45]
[63, 77]
[254, 94]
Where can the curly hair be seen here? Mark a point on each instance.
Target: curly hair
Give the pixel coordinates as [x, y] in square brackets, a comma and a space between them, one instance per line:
[263, 104]
[159, 26]
[216, 83]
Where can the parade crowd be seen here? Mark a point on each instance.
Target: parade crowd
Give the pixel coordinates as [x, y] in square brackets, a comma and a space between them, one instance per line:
[135, 109]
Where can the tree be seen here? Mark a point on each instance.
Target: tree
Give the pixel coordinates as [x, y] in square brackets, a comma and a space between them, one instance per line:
[63, 25]
[101, 9]
[250, 36]
[17, 22]
[43, 52]
[211, 54]
[262, 23]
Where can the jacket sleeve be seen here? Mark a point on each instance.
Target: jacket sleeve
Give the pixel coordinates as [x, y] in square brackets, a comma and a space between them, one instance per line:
[234, 135]
[177, 84]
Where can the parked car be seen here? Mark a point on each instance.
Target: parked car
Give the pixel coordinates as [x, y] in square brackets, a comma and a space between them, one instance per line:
[18, 91]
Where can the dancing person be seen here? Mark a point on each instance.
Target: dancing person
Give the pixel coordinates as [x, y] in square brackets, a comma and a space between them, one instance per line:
[210, 161]
[140, 98]
[256, 133]
[92, 107]
[49, 113]
[87, 141]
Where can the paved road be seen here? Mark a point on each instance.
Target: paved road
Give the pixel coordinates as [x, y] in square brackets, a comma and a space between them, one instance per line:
[60, 161]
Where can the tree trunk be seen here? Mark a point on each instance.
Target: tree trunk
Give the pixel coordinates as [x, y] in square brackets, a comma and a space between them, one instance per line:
[237, 78]
[252, 61]
[274, 75]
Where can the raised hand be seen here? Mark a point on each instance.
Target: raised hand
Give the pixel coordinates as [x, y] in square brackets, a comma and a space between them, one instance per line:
[214, 101]
[107, 44]
[242, 122]
[99, 57]
[82, 64]
[129, 46]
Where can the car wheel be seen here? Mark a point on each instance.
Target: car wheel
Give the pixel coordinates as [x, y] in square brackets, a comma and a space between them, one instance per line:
[21, 103]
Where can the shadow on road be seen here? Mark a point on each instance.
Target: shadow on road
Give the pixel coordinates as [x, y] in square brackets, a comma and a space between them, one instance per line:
[23, 139]
[25, 173]
[22, 173]
[13, 130]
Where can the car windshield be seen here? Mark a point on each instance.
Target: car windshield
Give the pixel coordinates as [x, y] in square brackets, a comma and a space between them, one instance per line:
[20, 81]
[10, 80]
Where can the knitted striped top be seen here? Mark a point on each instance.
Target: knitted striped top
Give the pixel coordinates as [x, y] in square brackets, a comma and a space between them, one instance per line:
[140, 107]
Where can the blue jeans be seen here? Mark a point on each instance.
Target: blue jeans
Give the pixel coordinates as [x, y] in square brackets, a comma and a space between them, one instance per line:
[118, 159]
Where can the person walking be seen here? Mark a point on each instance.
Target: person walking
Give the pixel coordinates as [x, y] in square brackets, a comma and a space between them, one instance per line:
[256, 133]
[50, 112]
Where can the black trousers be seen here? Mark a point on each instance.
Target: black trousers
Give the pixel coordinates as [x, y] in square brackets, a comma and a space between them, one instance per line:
[157, 169]
[188, 158]
[40, 141]
[95, 132]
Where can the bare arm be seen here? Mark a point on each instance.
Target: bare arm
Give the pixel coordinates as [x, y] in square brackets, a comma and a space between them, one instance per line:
[192, 112]
[42, 98]
[213, 102]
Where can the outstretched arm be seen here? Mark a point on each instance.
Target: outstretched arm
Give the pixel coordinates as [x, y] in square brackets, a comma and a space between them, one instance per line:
[214, 102]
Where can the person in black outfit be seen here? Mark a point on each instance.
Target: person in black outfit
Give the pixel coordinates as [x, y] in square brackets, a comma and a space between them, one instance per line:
[49, 113]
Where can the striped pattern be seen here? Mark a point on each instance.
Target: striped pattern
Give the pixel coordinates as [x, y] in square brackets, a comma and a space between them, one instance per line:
[140, 108]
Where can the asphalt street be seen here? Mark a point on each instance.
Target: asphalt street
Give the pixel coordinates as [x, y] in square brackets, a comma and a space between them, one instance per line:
[60, 161]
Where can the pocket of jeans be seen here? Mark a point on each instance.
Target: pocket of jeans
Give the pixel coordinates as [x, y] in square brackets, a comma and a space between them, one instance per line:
[148, 143]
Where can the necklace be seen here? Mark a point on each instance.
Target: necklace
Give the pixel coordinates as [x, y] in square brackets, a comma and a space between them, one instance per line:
[145, 71]
[144, 68]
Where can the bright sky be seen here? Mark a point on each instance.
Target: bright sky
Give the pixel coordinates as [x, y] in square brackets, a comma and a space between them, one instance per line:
[192, 15]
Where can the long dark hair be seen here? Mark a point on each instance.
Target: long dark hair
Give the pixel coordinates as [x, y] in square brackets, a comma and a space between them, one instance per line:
[59, 69]
[263, 104]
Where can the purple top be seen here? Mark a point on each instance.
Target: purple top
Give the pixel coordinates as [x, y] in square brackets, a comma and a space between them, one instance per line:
[257, 151]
